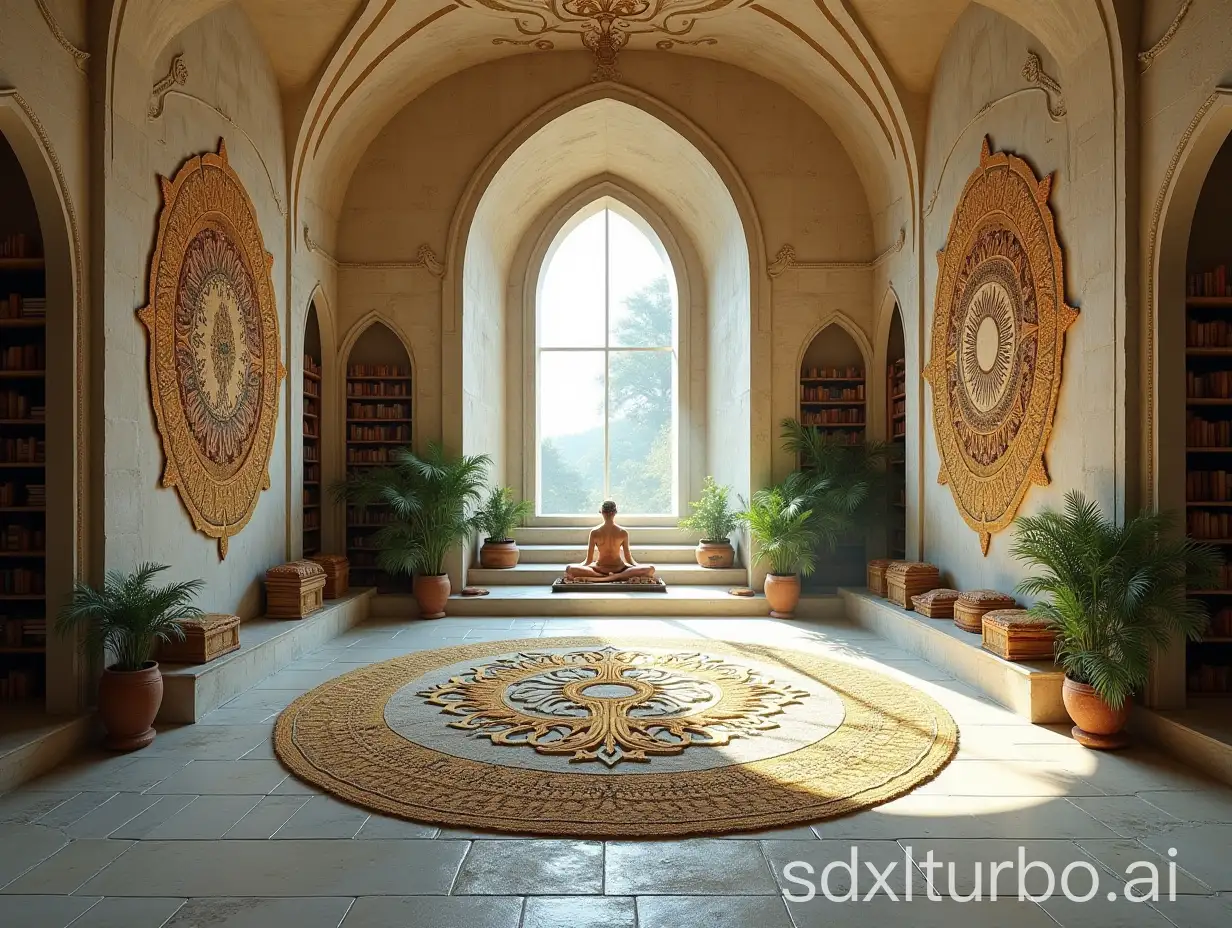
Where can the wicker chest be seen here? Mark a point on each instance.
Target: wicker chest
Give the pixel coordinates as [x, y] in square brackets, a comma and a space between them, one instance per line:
[971, 607]
[1017, 635]
[935, 604]
[905, 579]
[205, 638]
[877, 576]
[294, 590]
[337, 574]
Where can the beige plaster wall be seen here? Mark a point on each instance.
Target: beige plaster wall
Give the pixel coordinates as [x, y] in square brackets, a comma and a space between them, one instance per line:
[228, 74]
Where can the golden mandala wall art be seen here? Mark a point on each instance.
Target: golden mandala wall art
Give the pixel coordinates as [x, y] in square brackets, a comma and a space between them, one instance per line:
[214, 350]
[998, 339]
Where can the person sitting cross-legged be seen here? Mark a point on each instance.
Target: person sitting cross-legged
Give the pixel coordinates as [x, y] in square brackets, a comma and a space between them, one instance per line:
[608, 558]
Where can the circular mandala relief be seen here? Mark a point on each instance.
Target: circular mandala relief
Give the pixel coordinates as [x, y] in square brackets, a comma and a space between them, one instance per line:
[998, 338]
[214, 348]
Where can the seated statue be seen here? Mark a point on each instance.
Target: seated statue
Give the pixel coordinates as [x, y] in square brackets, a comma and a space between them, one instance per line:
[607, 554]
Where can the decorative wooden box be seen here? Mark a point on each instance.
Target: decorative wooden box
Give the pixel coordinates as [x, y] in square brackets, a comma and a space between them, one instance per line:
[205, 638]
[877, 576]
[294, 590]
[905, 579]
[936, 604]
[971, 607]
[1017, 635]
[337, 574]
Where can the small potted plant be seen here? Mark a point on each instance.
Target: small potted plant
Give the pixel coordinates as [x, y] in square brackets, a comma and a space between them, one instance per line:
[432, 500]
[497, 518]
[786, 535]
[1114, 594]
[125, 621]
[713, 518]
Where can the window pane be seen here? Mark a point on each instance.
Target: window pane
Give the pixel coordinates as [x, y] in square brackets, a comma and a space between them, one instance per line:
[571, 299]
[642, 307]
[643, 442]
[570, 432]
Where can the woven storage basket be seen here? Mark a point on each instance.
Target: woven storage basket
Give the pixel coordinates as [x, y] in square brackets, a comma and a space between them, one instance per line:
[205, 638]
[970, 608]
[877, 576]
[935, 604]
[905, 579]
[337, 574]
[294, 590]
[1017, 635]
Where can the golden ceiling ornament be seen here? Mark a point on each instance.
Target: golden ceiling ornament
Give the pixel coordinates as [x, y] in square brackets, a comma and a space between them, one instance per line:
[998, 341]
[214, 348]
[612, 705]
[605, 26]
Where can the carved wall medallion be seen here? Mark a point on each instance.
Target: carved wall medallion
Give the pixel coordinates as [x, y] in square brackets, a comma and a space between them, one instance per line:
[215, 353]
[998, 338]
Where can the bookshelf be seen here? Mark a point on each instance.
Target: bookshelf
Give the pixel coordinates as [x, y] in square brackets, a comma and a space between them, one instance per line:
[896, 435]
[1208, 464]
[23, 491]
[313, 490]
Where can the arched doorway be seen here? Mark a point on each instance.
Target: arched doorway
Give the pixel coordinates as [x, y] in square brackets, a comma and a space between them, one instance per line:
[896, 436]
[313, 421]
[378, 420]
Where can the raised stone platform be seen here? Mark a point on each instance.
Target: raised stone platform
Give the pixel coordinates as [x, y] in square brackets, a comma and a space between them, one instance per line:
[266, 646]
[32, 742]
[1200, 735]
[523, 601]
[1031, 689]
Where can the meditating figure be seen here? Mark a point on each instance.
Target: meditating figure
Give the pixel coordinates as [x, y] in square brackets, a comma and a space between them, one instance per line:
[607, 554]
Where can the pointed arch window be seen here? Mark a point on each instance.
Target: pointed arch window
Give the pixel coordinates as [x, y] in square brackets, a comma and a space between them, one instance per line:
[606, 360]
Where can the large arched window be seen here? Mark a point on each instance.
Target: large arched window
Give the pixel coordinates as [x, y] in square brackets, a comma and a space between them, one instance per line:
[606, 362]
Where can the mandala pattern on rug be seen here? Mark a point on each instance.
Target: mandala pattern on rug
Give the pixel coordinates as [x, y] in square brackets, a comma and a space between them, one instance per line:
[998, 339]
[215, 355]
[589, 737]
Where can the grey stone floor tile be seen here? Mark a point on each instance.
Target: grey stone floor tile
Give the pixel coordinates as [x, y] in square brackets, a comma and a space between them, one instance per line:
[694, 867]
[1213, 807]
[581, 912]
[1117, 856]
[959, 860]
[163, 808]
[261, 913]
[323, 817]
[832, 863]
[1005, 913]
[1201, 849]
[80, 805]
[1101, 912]
[293, 786]
[380, 827]
[209, 742]
[301, 681]
[118, 912]
[204, 818]
[271, 699]
[26, 806]
[1197, 911]
[114, 813]
[522, 867]
[24, 846]
[712, 912]
[435, 912]
[224, 778]
[42, 911]
[228, 717]
[270, 814]
[110, 774]
[263, 750]
[281, 869]
[1128, 816]
[70, 867]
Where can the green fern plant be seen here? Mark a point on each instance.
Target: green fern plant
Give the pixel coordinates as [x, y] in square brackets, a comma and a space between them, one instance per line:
[129, 616]
[433, 500]
[850, 478]
[711, 514]
[786, 531]
[501, 514]
[1113, 593]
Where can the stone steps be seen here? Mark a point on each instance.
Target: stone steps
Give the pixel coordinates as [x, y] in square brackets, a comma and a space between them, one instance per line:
[573, 553]
[577, 535]
[521, 601]
[543, 574]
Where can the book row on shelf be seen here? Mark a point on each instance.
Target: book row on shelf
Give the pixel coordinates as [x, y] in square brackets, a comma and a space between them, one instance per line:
[1209, 283]
[1225, 578]
[25, 633]
[391, 433]
[377, 370]
[312, 406]
[20, 581]
[312, 473]
[1208, 486]
[368, 456]
[1210, 679]
[362, 389]
[312, 388]
[1210, 525]
[311, 428]
[17, 306]
[833, 417]
[378, 410]
[312, 519]
[32, 494]
[23, 358]
[21, 538]
[17, 685]
[1203, 433]
[898, 407]
[832, 394]
[23, 451]
[832, 373]
[372, 516]
[312, 453]
[1221, 623]
[15, 405]
[19, 245]
[1217, 334]
[1215, 385]
[312, 365]
[845, 437]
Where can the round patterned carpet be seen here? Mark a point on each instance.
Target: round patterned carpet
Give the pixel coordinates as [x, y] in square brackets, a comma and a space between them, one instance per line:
[592, 738]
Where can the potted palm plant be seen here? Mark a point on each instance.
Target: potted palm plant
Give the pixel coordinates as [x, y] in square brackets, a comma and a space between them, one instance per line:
[126, 620]
[1113, 594]
[432, 500]
[786, 534]
[497, 518]
[713, 518]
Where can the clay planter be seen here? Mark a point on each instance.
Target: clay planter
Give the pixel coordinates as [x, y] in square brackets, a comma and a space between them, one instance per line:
[128, 701]
[498, 555]
[432, 593]
[782, 593]
[717, 555]
[1097, 725]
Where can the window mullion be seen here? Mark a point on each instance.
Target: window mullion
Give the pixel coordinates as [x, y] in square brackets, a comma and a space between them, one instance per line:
[607, 356]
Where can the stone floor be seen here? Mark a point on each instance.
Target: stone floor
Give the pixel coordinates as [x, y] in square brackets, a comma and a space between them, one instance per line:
[205, 828]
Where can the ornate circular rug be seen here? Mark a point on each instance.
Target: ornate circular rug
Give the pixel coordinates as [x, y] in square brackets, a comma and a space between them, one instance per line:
[637, 738]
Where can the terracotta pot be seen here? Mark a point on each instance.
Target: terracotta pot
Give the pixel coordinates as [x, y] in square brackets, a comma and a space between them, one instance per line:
[128, 701]
[1097, 725]
[782, 593]
[432, 592]
[498, 555]
[716, 555]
